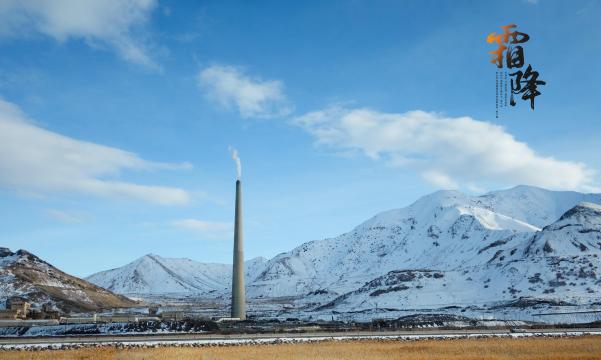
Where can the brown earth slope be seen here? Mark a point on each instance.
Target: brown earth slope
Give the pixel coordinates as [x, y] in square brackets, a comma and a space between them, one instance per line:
[26, 275]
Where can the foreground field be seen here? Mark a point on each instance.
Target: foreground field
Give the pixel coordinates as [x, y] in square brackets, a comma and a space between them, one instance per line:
[585, 347]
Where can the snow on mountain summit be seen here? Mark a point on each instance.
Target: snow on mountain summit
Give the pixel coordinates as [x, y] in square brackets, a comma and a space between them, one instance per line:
[536, 206]
[583, 212]
[153, 274]
[448, 205]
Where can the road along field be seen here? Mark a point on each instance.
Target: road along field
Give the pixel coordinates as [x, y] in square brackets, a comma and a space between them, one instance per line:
[491, 348]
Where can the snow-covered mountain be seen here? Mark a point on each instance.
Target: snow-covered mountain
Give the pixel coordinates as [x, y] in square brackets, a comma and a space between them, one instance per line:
[26, 275]
[559, 264]
[444, 231]
[155, 275]
[446, 249]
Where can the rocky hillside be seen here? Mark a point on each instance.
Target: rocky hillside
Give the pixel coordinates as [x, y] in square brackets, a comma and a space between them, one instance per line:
[24, 274]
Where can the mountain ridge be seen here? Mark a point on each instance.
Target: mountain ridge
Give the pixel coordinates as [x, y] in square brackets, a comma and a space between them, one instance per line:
[564, 271]
[477, 243]
[173, 276]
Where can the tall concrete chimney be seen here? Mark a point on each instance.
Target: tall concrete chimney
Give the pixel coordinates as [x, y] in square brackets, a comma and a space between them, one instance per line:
[238, 298]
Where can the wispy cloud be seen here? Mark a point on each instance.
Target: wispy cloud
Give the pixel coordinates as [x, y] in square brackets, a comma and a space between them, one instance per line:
[111, 23]
[231, 88]
[448, 152]
[64, 216]
[33, 159]
[208, 229]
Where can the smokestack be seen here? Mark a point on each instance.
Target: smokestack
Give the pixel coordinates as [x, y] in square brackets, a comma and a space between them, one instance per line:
[238, 297]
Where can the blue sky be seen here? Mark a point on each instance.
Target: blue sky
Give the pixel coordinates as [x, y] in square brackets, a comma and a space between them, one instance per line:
[116, 118]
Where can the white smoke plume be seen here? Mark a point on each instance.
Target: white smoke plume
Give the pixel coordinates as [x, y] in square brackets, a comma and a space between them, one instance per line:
[237, 160]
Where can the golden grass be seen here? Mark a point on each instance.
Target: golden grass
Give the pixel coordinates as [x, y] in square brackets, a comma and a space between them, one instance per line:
[585, 347]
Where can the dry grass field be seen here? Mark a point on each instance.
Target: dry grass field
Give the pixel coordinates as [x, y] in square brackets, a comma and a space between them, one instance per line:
[588, 347]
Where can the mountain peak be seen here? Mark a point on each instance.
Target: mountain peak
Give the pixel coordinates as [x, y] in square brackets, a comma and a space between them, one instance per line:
[583, 209]
[441, 196]
[4, 252]
[258, 259]
[26, 254]
[519, 190]
[589, 205]
[22, 256]
[527, 187]
[152, 274]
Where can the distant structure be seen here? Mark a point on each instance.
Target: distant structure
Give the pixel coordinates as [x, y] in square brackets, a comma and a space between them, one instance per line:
[16, 308]
[153, 310]
[238, 297]
[49, 311]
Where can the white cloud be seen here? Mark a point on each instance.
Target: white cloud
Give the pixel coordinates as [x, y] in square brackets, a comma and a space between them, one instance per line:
[111, 23]
[252, 97]
[208, 229]
[33, 159]
[448, 152]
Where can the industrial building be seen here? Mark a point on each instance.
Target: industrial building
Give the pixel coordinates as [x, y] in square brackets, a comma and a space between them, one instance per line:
[16, 308]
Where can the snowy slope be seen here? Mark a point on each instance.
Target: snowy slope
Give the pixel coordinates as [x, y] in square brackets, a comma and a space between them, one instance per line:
[559, 264]
[535, 206]
[446, 230]
[152, 274]
[24, 274]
